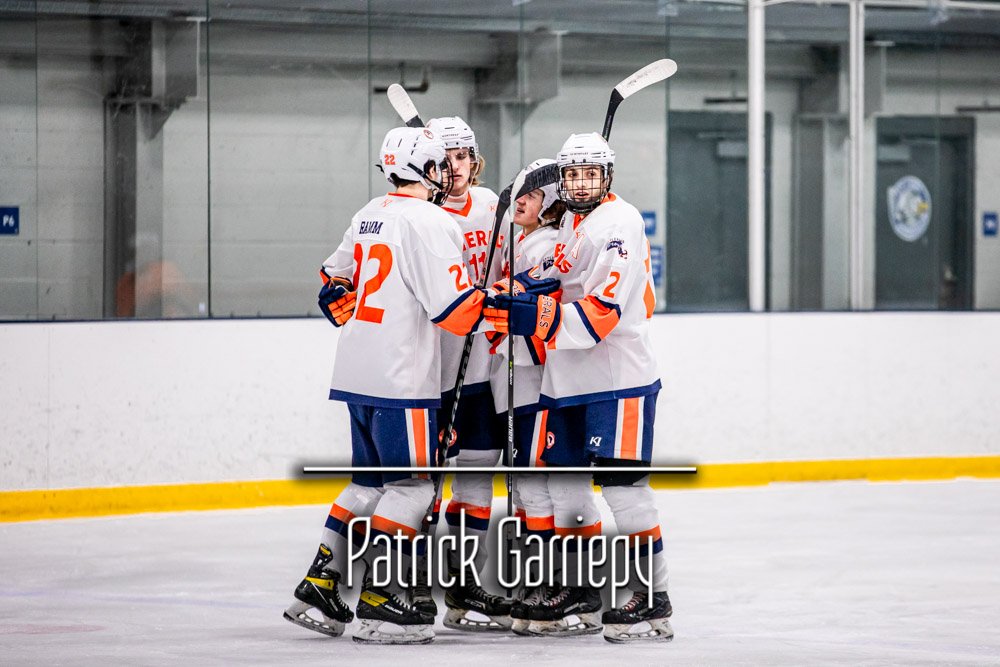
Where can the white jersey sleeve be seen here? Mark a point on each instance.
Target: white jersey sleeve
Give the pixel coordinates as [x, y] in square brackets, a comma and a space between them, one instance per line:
[437, 275]
[341, 263]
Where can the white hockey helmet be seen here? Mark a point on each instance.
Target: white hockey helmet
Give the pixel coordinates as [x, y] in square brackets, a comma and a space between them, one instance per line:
[550, 193]
[589, 148]
[408, 153]
[455, 133]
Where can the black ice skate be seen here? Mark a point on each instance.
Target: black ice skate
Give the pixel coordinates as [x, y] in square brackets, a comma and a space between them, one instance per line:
[567, 611]
[379, 606]
[636, 620]
[319, 591]
[472, 609]
[421, 595]
[521, 609]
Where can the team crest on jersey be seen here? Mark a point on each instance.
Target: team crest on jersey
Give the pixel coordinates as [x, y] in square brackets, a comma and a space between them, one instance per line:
[428, 133]
[547, 262]
[619, 245]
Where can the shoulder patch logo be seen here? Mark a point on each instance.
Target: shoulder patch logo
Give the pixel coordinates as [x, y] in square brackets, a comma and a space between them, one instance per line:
[619, 245]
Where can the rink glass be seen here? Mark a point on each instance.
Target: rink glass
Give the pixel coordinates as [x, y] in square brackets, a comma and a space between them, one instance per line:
[200, 159]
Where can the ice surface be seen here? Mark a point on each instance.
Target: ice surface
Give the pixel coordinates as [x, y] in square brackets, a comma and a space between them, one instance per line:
[848, 573]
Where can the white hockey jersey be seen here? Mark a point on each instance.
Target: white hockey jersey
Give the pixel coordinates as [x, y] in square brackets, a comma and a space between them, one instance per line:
[601, 350]
[535, 249]
[404, 257]
[475, 220]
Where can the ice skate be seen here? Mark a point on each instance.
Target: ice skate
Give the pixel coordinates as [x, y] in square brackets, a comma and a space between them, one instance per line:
[378, 607]
[521, 609]
[472, 609]
[637, 620]
[319, 591]
[566, 612]
[422, 600]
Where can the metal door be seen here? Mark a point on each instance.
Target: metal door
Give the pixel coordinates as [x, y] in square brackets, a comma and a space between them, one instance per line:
[924, 213]
[707, 211]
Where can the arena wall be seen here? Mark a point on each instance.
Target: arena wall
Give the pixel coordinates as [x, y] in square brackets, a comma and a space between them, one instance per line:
[749, 398]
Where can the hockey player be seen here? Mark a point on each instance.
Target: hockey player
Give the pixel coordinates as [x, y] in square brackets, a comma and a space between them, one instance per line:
[478, 435]
[600, 385]
[396, 280]
[537, 214]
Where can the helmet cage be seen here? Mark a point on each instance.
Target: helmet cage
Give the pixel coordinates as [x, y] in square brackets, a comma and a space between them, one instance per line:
[441, 187]
[596, 195]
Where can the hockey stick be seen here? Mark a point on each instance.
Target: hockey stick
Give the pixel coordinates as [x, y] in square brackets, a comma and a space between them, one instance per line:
[522, 185]
[652, 73]
[404, 106]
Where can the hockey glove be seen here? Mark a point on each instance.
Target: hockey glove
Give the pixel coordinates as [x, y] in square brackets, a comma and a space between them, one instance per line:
[529, 315]
[528, 282]
[337, 299]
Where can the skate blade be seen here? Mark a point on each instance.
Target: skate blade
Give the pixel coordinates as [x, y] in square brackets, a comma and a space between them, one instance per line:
[457, 619]
[519, 626]
[328, 626]
[586, 624]
[657, 631]
[370, 632]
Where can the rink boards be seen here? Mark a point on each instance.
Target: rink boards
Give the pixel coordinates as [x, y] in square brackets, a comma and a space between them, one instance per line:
[118, 417]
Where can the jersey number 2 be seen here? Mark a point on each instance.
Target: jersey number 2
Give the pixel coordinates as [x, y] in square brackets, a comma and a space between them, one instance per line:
[383, 255]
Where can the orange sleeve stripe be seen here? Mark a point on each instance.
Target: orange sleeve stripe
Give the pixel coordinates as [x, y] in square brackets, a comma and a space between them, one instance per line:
[649, 298]
[463, 314]
[471, 510]
[598, 318]
[630, 428]
[539, 348]
[520, 513]
[582, 531]
[541, 523]
[390, 527]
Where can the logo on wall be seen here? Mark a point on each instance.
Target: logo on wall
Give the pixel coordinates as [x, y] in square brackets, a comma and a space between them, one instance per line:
[909, 208]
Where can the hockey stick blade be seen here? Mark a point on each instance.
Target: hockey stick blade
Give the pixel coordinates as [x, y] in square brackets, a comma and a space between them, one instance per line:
[544, 175]
[404, 106]
[652, 73]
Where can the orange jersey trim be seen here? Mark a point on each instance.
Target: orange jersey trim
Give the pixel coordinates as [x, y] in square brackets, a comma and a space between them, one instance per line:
[462, 317]
[579, 217]
[600, 318]
[464, 212]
